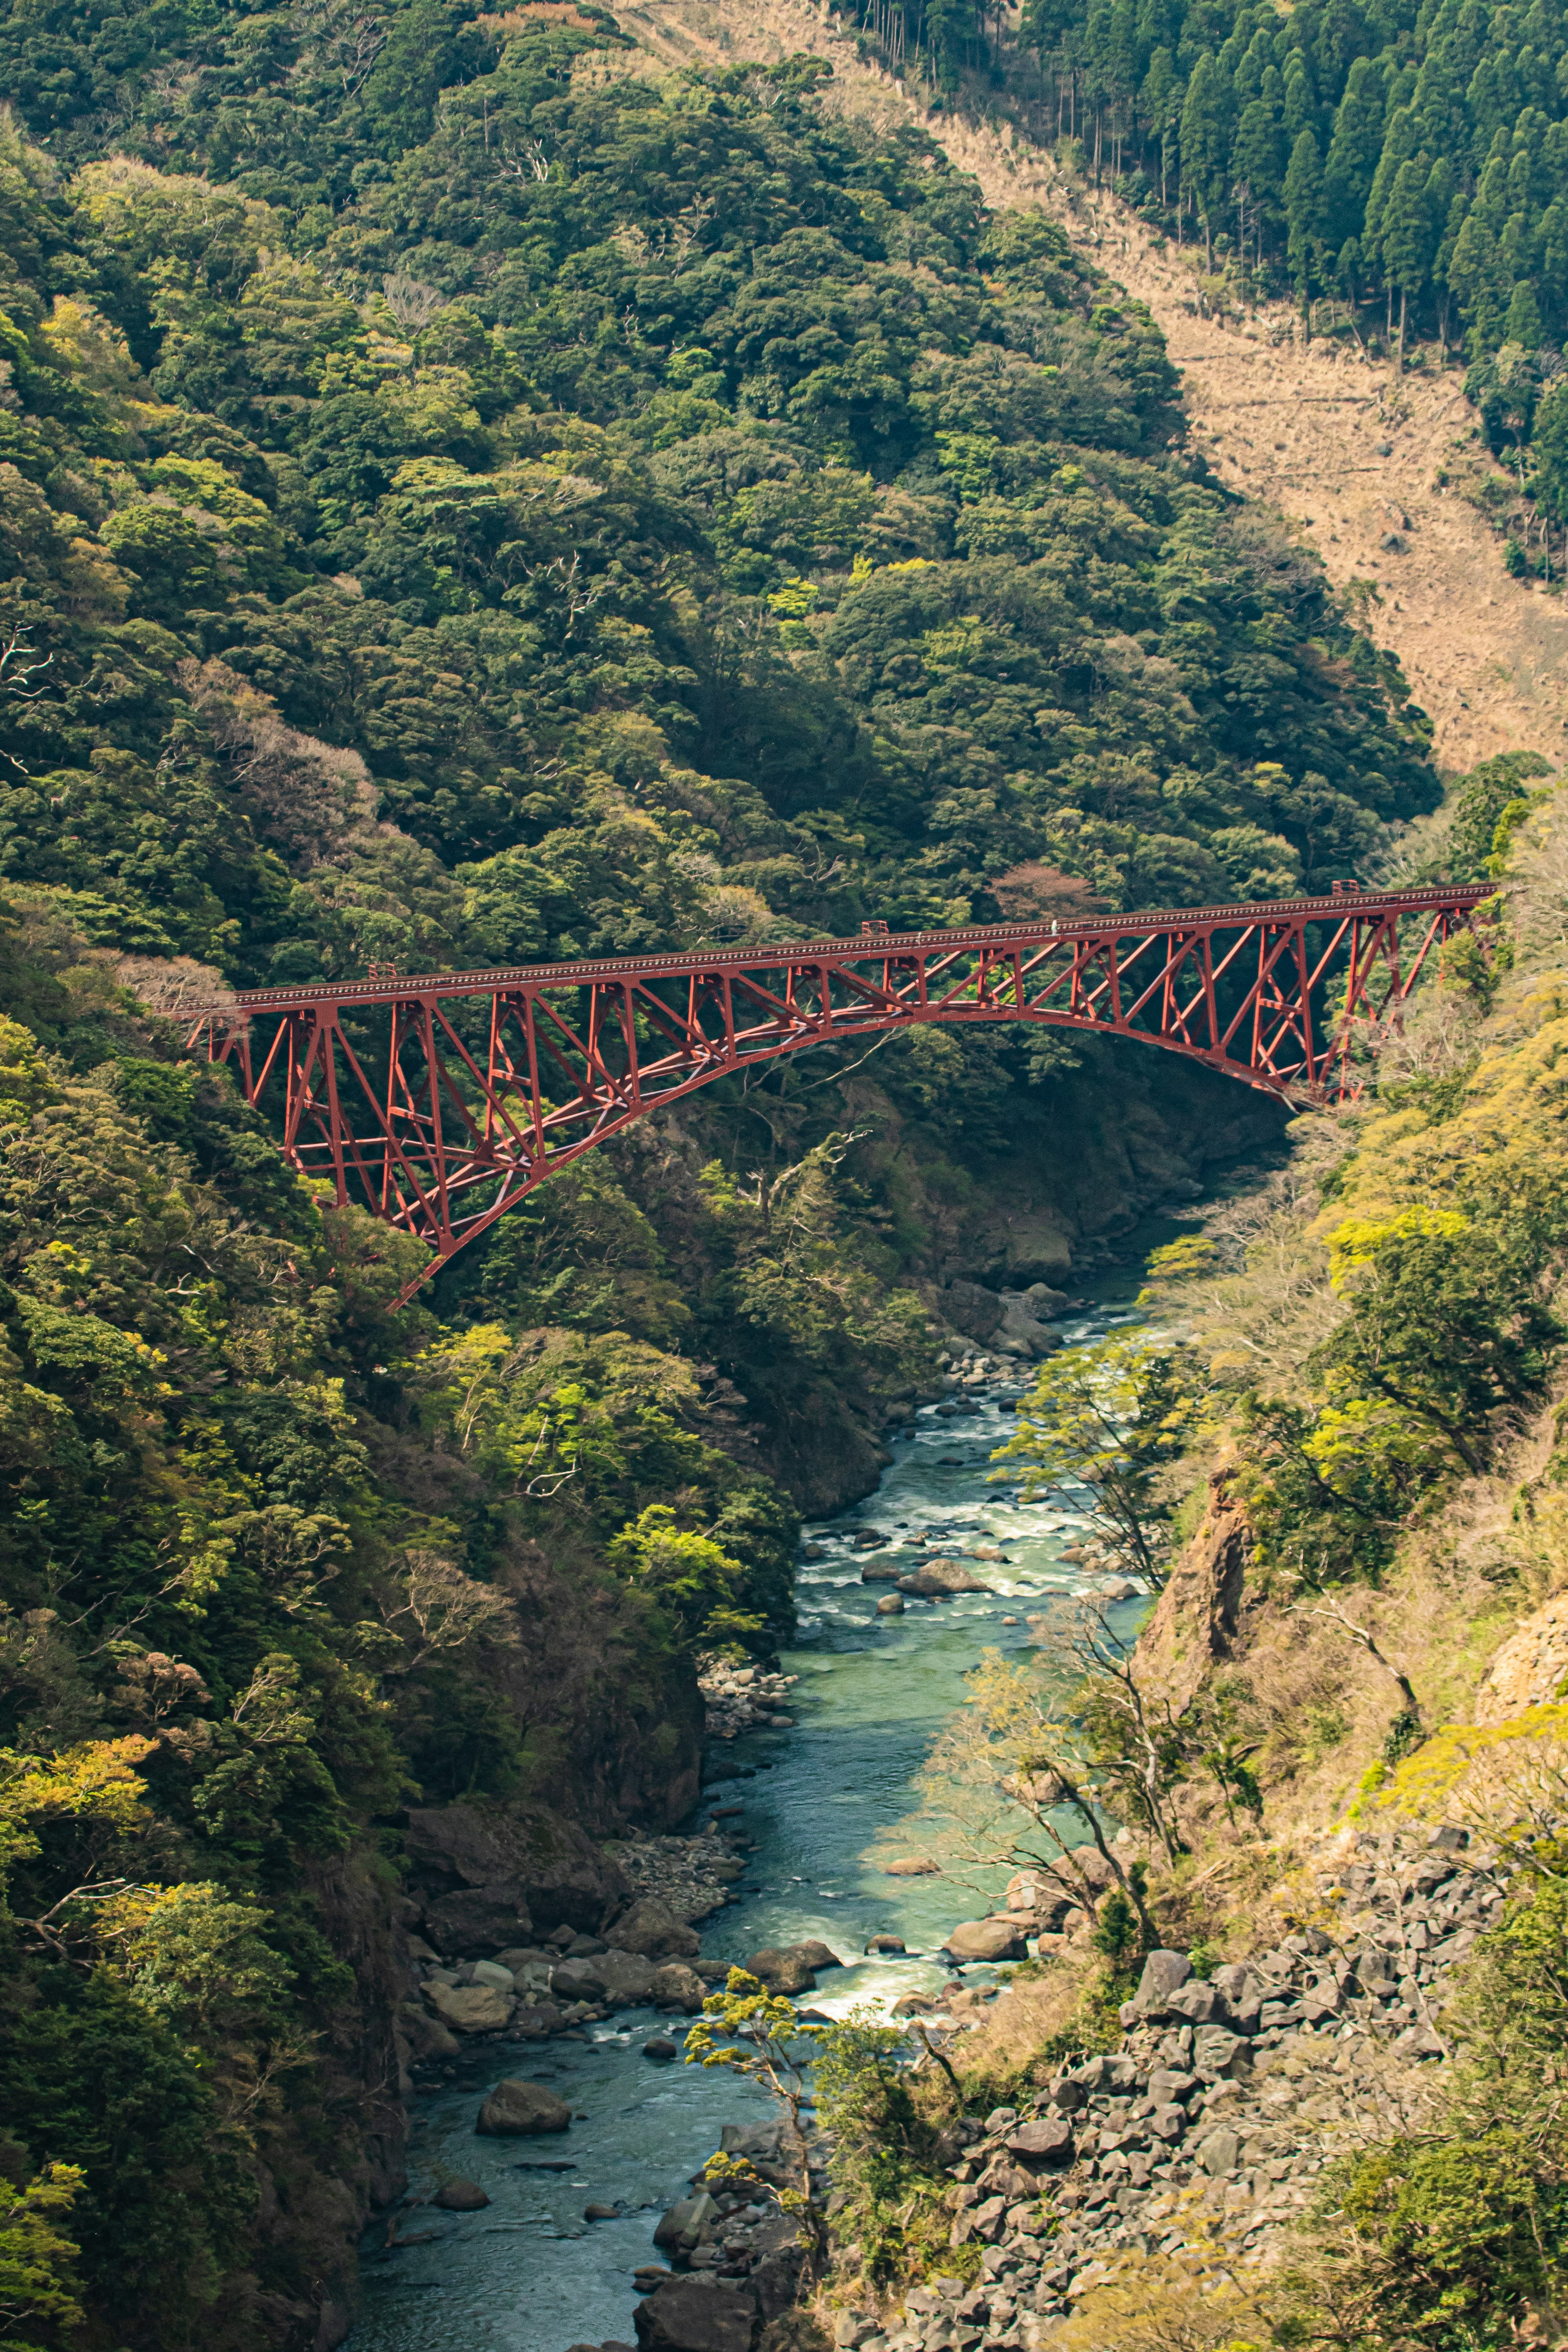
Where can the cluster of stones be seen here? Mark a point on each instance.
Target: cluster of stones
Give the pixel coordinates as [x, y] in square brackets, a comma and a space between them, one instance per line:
[570, 1979]
[740, 1697]
[1015, 1323]
[1209, 2126]
[692, 1877]
[733, 2256]
[1046, 1911]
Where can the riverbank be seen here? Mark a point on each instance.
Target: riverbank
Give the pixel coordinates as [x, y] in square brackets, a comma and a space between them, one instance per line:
[792, 1844]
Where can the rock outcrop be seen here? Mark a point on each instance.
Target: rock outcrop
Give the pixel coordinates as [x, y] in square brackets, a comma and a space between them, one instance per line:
[490, 1875]
[1196, 1621]
[1531, 1667]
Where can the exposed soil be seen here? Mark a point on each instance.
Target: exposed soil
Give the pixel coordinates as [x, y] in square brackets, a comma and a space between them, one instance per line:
[1344, 447]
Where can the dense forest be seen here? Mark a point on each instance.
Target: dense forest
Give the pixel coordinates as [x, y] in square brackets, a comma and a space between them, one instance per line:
[468, 500]
[1400, 166]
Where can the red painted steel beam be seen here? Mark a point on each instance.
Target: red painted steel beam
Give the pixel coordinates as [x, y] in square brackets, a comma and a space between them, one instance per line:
[439, 1129]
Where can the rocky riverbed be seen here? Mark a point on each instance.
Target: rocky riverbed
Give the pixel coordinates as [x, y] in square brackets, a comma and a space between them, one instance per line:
[786, 1857]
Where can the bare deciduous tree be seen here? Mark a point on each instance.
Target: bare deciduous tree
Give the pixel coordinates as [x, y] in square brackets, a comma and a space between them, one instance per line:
[411, 303]
[439, 1608]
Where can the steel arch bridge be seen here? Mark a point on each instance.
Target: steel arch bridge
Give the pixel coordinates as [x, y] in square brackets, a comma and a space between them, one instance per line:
[438, 1101]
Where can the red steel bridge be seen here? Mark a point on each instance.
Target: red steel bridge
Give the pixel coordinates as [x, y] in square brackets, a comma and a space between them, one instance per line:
[438, 1101]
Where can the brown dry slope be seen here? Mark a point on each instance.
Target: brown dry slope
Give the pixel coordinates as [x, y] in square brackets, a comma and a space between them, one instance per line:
[1345, 448]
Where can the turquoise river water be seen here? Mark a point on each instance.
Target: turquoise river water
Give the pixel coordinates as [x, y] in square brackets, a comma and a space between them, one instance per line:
[528, 2274]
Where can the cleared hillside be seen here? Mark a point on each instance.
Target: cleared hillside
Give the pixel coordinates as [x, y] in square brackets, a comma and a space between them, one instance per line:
[1343, 446]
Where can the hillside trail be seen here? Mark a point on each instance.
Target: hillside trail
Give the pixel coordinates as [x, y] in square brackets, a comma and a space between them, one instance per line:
[1344, 447]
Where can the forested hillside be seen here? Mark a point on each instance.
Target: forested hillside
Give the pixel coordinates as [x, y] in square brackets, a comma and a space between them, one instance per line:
[1399, 166]
[466, 500]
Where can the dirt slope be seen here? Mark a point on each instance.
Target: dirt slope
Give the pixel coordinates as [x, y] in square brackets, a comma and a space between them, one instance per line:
[1342, 448]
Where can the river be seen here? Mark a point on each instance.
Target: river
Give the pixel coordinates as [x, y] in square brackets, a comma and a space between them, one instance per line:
[528, 2274]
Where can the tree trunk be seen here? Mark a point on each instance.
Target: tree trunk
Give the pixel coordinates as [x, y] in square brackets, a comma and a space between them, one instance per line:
[1399, 362]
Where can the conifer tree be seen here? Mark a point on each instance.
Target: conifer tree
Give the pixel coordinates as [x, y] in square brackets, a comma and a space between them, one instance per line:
[1303, 214]
[1407, 241]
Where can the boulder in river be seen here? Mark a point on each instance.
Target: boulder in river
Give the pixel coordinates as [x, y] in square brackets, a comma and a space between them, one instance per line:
[628, 1977]
[891, 1604]
[939, 1580]
[912, 1865]
[883, 1571]
[783, 1970]
[460, 2196]
[516, 2109]
[687, 2223]
[675, 1986]
[885, 1944]
[470, 2008]
[986, 1939]
[660, 2047]
[574, 1981]
[537, 2019]
[652, 1928]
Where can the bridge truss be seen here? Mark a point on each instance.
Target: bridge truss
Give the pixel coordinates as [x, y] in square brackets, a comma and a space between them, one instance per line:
[438, 1102]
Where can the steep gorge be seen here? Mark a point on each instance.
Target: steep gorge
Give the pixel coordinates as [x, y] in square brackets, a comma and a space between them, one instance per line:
[450, 519]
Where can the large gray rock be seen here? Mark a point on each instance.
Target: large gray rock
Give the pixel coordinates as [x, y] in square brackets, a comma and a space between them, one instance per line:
[490, 1972]
[426, 2035]
[1241, 1994]
[970, 1309]
[696, 2314]
[789, 1968]
[516, 2109]
[1047, 2141]
[940, 1579]
[776, 2280]
[1021, 1334]
[1198, 2002]
[1219, 2056]
[1163, 1972]
[577, 1980]
[1108, 2073]
[651, 1928]
[624, 1979]
[690, 2223]
[986, 1939]
[470, 2008]
[460, 2196]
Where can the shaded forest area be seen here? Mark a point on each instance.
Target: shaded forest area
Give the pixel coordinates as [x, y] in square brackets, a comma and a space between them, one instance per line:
[466, 501]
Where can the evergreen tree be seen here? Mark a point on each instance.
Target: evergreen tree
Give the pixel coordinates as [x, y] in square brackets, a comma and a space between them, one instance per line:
[1303, 214]
[1408, 240]
[1205, 145]
[1351, 162]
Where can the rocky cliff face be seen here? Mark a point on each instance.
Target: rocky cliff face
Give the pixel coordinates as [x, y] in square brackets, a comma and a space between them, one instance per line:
[487, 1876]
[1197, 1621]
